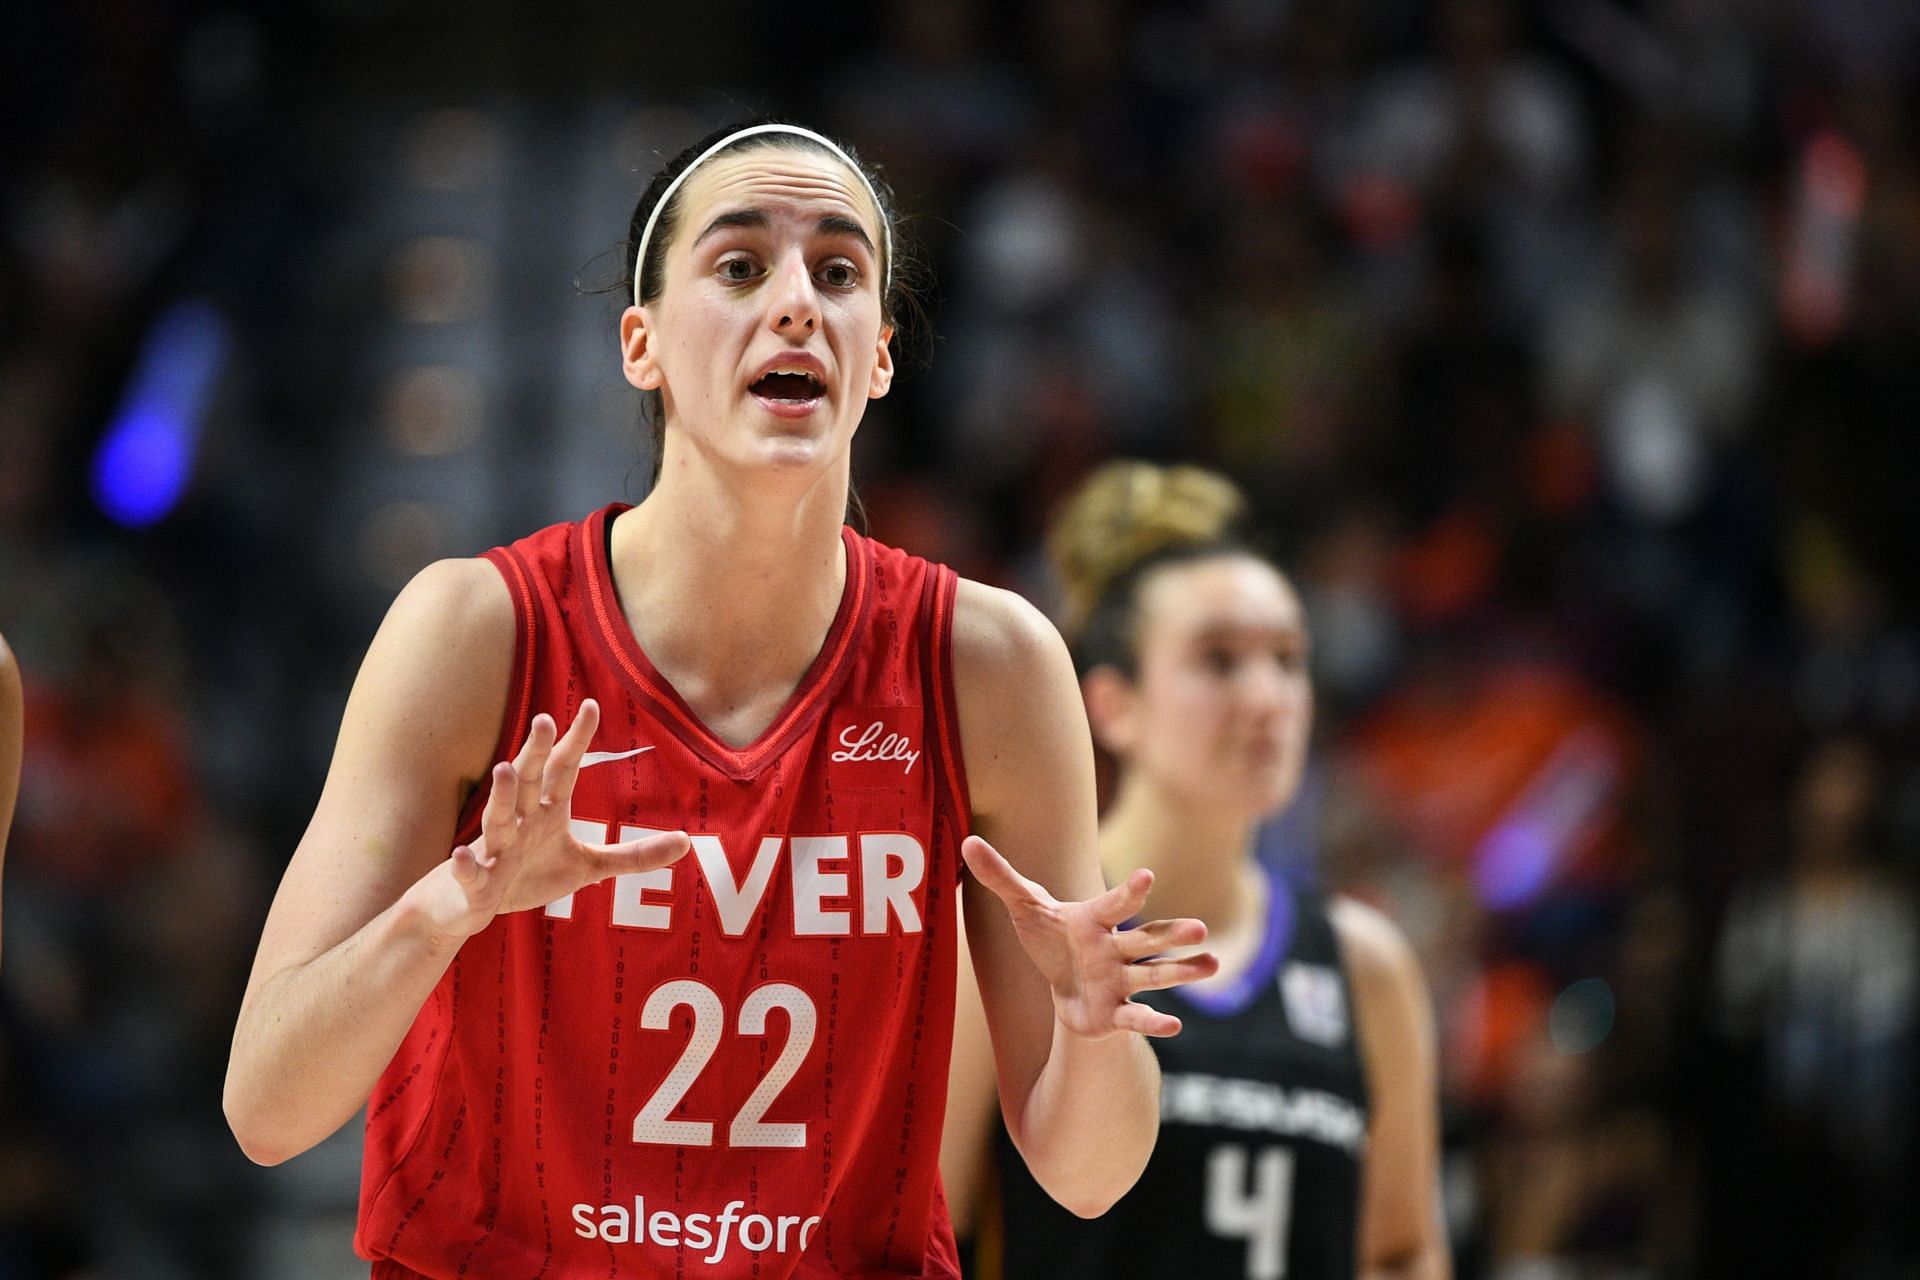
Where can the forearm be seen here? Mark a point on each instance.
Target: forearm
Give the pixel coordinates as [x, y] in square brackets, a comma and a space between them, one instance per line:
[312, 1039]
[1090, 1120]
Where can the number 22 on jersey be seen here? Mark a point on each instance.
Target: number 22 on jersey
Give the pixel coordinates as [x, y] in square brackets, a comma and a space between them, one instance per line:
[653, 1125]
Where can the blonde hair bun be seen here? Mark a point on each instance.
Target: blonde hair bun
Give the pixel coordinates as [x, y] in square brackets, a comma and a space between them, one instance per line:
[1126, 512]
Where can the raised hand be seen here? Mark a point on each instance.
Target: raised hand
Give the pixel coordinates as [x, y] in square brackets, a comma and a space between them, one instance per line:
[1093, 966]
[527, 854]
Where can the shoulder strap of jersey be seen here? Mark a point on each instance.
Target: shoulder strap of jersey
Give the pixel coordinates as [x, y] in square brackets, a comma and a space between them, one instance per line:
[513, 568]
[941, 593]
[1314, 939]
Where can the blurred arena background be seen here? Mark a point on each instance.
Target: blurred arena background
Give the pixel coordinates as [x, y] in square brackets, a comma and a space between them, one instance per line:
[1565, 345]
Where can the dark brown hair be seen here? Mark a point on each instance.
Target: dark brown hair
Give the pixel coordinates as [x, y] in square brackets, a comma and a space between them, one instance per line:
[899, 271]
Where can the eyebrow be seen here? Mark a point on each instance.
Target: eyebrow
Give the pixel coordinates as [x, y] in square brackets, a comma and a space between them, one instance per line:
[832, 224]
[1233, 630]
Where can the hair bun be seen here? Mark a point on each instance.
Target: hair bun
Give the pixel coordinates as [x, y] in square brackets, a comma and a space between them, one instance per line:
[1127, 511]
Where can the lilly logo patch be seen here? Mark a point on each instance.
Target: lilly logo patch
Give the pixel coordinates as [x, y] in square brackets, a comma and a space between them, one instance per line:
[873, 747]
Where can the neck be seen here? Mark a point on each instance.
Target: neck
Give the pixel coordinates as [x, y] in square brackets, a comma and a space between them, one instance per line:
[730, 586]
[1202, 858]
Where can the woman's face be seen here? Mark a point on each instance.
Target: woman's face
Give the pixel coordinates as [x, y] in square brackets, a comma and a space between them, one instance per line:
[1222, 709]
[766, 338]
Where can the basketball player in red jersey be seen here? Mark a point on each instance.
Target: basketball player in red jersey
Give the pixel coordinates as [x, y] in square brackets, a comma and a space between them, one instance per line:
[11, 732]
[585, 1052]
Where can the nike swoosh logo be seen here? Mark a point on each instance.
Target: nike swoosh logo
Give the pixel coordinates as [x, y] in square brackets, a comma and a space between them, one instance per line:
[601, 757]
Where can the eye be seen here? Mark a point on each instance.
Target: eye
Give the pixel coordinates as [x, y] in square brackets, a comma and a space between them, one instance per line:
[1218, 660]
[739, 269]
[840, 274]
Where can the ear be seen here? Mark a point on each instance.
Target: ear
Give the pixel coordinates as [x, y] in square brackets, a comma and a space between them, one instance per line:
[1112, 709]
[882, 365]
[637, 357]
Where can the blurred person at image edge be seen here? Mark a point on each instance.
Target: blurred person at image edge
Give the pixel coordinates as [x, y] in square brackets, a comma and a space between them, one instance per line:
[1299, 1108]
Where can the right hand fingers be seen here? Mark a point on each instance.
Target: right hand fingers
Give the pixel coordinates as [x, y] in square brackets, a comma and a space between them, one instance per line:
[466, 866]
[563, 766]
[656, 849]
[497, 819]
[531, 763]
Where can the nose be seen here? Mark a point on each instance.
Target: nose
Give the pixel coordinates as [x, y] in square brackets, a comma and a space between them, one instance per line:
[1269, 688]
[793, 305]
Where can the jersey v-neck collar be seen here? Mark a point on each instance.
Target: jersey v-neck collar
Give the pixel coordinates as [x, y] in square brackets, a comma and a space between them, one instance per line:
[815, 690]
[1238, 995]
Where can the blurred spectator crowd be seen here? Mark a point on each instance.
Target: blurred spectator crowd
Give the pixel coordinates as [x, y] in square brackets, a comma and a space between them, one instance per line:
[1564, 347]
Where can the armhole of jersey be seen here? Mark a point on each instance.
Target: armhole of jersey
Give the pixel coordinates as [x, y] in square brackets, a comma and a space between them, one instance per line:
[946, 588]
[513, 726]
[1362, 1053]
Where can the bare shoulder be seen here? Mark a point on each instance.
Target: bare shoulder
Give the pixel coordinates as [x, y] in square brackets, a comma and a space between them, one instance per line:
[1377, 953]
[466, 595]
[1391, 1006]
[454, 620]
[432, 692]
[999, 635]
[1023, 731]
[1011, 671]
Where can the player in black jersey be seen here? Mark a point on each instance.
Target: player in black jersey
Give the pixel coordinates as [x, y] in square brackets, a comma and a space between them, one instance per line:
[1298, 1128]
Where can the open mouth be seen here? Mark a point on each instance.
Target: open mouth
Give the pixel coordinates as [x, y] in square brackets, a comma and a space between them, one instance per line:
[794, 387]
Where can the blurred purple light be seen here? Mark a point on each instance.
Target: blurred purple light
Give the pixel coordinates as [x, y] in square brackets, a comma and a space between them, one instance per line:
[1515, 861]
[145, 458]
[1519, 856]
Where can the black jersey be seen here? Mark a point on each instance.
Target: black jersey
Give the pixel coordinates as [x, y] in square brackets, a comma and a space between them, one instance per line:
[1263, 1118]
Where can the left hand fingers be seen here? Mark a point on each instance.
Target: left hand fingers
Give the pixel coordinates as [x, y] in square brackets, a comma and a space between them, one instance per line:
[1122, 902]
[1160, 935]
[1146, 1020]
[1158, 975]
[995, 874]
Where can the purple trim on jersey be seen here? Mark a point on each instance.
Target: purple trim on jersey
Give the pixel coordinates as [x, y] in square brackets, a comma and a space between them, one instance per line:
[1236, 996]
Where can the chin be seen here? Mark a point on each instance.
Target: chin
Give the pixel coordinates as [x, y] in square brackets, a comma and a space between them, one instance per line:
[791, 455]
[787, 453]
[807, 442]
[1260, 794]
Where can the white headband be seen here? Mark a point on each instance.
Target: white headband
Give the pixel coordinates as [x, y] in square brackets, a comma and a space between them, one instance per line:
[666, 197]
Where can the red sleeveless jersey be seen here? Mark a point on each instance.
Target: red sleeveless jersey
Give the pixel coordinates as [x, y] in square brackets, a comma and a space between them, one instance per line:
[734, 1066]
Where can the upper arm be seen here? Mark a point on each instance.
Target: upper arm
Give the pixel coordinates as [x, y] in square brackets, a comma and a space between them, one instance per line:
[1399, 1216]
[417, 736]
[1029, 760]
[1023, 732]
